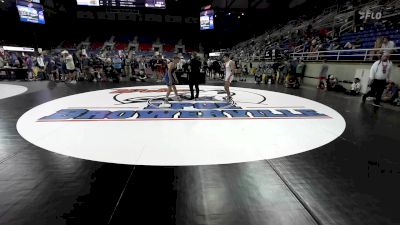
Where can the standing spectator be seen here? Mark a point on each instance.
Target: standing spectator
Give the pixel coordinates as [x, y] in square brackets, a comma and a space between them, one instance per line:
[160, 67]
[109, 71]
[86, 66]
[209, 67]
[300, 68]
[98, 69]
[322, 75]
[284, 70]
[117, 64]
[29, 66]
[142, 69]
[127, 63]
[379, 76]
[48, 65]
[77, 63]
[269, 75]
[194, 75]
[58, 65]
[41, 65]
[51, 69]
[70, 66]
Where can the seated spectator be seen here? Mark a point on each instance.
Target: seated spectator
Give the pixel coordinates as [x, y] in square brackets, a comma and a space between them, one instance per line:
[314, 47]
[334, 46]
[374, 53]
[117, 64]
[332, 84]
[355, 87]
[387, 45]
[357, 44]
[396, 100]
[390, 93]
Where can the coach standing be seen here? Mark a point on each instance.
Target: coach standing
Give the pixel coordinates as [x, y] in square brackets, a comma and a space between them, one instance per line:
[378, 77]
[194, 75]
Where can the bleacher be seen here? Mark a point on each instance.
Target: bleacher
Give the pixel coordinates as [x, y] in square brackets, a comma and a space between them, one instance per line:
[121, 42]
[370, 35]
[96, 45]
[121, 45]
[255, 48]
[168, 48]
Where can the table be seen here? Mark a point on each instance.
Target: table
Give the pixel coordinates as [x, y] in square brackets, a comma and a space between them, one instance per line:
[15, 73]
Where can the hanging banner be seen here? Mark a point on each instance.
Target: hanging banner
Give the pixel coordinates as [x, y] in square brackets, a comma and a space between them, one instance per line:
[368, 15]
[18, 49]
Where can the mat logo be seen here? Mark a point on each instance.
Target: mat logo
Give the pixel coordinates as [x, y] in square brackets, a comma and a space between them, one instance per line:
[134, 126]
[148, 104]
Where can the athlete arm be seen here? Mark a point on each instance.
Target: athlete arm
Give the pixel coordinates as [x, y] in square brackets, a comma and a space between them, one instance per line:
[233, 69]
[170, 73]
[232, 65]
[176, 79]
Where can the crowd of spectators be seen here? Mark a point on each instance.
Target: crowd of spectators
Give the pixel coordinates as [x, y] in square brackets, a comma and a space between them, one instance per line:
[309, 40]
[79, 66]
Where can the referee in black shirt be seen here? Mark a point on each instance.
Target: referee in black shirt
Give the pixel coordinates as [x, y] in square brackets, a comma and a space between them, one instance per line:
[194, 75]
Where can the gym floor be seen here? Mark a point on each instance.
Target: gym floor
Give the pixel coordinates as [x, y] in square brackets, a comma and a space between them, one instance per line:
[352, 180]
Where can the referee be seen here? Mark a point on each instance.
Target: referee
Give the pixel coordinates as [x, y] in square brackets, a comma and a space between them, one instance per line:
[194, 75]
[378, 78]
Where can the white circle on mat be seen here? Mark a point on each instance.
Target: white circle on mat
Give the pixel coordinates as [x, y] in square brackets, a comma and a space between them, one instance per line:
[9, 90]
[134, 126]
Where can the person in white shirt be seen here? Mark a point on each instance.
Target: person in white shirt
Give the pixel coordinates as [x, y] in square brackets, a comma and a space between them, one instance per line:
[69, 62]
[387, 45]
[229, 74]
[41, 66]
[379, 76]
[40, 61]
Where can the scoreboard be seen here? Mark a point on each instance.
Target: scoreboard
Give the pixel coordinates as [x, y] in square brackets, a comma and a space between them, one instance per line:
[124, 3]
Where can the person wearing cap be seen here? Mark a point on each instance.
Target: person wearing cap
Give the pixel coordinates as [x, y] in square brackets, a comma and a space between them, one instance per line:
[378, 77]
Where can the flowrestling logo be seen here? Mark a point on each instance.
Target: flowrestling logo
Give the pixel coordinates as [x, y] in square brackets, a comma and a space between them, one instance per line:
[149, 104]
[133, 125]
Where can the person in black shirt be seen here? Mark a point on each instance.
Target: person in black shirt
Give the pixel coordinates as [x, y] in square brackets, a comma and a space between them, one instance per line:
[194, 75]
[216, 67]
[109, 70]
